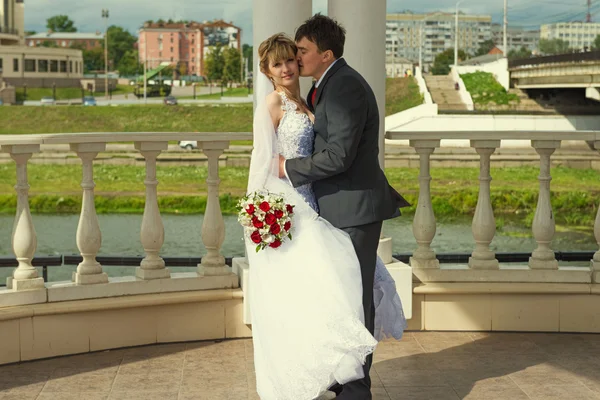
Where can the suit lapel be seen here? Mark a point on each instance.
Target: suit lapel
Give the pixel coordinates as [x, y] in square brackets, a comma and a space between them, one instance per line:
[339, 64]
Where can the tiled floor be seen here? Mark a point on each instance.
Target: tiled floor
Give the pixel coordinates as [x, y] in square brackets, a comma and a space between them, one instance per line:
[424, 365]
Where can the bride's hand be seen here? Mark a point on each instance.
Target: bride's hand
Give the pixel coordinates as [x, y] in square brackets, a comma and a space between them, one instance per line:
[281, 167]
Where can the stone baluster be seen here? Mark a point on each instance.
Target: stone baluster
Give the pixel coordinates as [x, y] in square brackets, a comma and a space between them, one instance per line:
[543, 221]
[484, 224]
[595, 262]
[89, 237]
[424, 220]
[152, 233]
[24, 239]
[213, 227]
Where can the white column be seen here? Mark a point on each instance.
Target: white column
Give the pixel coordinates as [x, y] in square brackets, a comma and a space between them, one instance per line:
[424, 221]
[24, 239]
[543, 222]
[213, 227]
[89, 237]
[364, 51]
[484, 224]
[152, 234]
[271, 17]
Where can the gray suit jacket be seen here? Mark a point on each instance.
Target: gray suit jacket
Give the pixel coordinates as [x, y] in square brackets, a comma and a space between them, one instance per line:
[350, 187]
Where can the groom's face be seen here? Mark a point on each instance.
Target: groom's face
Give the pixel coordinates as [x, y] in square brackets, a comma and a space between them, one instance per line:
[310, 60]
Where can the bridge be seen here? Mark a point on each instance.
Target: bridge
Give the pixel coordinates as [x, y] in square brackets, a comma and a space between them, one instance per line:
[563, 71]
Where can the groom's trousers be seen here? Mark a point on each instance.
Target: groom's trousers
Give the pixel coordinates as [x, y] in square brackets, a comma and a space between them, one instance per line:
[365, 239]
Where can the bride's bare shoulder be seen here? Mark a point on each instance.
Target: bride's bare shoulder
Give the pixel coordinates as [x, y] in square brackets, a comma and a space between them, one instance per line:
[274, 100]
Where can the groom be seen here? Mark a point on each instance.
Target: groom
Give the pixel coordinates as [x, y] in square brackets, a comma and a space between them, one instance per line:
[349, 184]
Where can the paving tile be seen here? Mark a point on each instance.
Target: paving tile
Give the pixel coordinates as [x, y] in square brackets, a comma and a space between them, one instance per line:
[421, 393]
[144, 395]
[156, 381]
[84, 382]
[74, 396]
[544, 374]
[549, 392]
[491, 391]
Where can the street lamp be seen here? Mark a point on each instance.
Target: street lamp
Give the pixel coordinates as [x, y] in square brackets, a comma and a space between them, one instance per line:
[105, 17]
[456, 34]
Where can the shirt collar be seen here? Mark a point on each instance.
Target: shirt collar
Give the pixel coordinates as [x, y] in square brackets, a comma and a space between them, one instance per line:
[326, 71]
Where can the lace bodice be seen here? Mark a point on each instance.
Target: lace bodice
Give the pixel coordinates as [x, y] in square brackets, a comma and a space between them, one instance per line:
[295, 139]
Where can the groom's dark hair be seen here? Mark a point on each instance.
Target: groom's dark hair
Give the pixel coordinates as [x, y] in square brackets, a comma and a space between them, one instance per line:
[325, 32]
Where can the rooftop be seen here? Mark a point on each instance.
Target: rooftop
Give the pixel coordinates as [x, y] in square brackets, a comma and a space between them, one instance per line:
[424, 365]
[67, 35]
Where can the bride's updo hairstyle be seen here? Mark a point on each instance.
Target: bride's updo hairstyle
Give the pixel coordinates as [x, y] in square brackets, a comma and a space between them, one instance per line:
[278, 47]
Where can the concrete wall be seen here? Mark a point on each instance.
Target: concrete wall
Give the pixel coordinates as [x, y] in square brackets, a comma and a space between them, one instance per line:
[423, 87]
[498, 68]
[464, 94]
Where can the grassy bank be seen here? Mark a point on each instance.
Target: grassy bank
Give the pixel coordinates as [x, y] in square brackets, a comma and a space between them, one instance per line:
[485, 89]
[216, 93]
[120, 189]
[401, 94]
[34, 94]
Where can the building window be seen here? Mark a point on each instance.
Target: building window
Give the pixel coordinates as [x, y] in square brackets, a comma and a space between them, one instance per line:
[160, 54]
[171, 40]
[193, 50]
[63, 66]
[64, 43]
[193, 59]
[42, 65]
[0, 65]
[53, 66]
[171, 59]
[71, 66]
[15, 65]
[193, 40]
[171, 49]
[29, 65]
[92, 43]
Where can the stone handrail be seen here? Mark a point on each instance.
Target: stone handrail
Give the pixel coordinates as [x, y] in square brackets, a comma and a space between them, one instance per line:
[483, 265]
[26, 287]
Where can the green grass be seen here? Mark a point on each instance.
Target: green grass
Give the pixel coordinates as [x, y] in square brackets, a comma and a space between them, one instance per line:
[56, 189]
[216, 95]
[401, 94]
[34, 94]
[486, 90]
[146, 118]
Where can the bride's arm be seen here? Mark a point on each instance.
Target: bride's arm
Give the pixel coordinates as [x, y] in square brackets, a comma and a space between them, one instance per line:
[274, 105]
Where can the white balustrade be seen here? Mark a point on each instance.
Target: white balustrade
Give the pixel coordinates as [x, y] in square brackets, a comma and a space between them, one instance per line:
[152, 233]
[424, 220]
[543, 221]
[89, 237]
[213, 227]
[24, 239]
[484, 224]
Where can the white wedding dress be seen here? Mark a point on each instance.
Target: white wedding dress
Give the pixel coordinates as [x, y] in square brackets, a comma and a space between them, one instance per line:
[305, 297]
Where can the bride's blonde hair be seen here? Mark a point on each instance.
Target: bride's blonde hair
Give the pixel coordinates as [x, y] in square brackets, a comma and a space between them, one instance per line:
[278, 47]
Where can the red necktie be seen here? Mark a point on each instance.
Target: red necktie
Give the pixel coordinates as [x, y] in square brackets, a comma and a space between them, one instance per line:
[313, 98]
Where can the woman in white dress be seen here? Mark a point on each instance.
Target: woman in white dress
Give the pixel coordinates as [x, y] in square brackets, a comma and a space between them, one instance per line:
[305, 296]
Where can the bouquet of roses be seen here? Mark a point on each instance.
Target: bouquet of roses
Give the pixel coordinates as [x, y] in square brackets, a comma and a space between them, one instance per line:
[266, 219]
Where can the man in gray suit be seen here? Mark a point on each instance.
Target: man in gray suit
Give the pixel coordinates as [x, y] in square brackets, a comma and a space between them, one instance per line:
[351, 189]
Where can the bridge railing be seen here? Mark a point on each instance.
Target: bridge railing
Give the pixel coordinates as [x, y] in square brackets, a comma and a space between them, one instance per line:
[555, 59]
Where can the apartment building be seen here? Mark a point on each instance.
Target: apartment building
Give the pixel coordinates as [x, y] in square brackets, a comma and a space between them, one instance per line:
[185, 45]
[433, 33]
[516, 38]
[12, 22]
[580, 35]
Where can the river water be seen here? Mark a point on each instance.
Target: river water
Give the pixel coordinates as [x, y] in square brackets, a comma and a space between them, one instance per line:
[121, 237]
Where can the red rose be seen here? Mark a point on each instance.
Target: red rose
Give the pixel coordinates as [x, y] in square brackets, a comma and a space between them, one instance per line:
[270, 219]
[278, 213]
[275, 244]
[275, 229]
[250, 210]
[287, 226]
[257, 223]
[256, 237]
[264, 206]
[290, 209]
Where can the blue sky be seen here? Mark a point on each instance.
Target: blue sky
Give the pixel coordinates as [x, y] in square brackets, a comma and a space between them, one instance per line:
[131, 13]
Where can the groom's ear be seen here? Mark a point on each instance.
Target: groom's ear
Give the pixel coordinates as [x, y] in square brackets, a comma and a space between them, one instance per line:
[328, 56]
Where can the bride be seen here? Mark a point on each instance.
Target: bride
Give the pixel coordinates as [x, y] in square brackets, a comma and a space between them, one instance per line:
[305, 297]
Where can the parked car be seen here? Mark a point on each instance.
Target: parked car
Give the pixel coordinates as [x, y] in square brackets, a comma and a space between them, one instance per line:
[1, 102]
[188, 144]
[47, 101]
[170, 101]
[89, 101]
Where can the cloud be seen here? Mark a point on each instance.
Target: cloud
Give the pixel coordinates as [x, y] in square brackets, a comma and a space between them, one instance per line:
[131, 14]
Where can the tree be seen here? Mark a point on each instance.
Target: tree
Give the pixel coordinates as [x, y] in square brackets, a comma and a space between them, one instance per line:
[129, 64]
[248, 52]
[215, 63]
[232, 65]
[60, 23]
[596, 44]
[49, 43]
[485, 47]
[93, 60]
[120, 42]
[523, 52]
[553, 46]
[442, 62]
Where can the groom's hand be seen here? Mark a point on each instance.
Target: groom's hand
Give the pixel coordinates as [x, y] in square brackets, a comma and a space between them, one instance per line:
[281, 167]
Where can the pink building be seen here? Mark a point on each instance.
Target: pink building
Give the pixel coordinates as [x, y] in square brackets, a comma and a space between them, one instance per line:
[185, 45]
